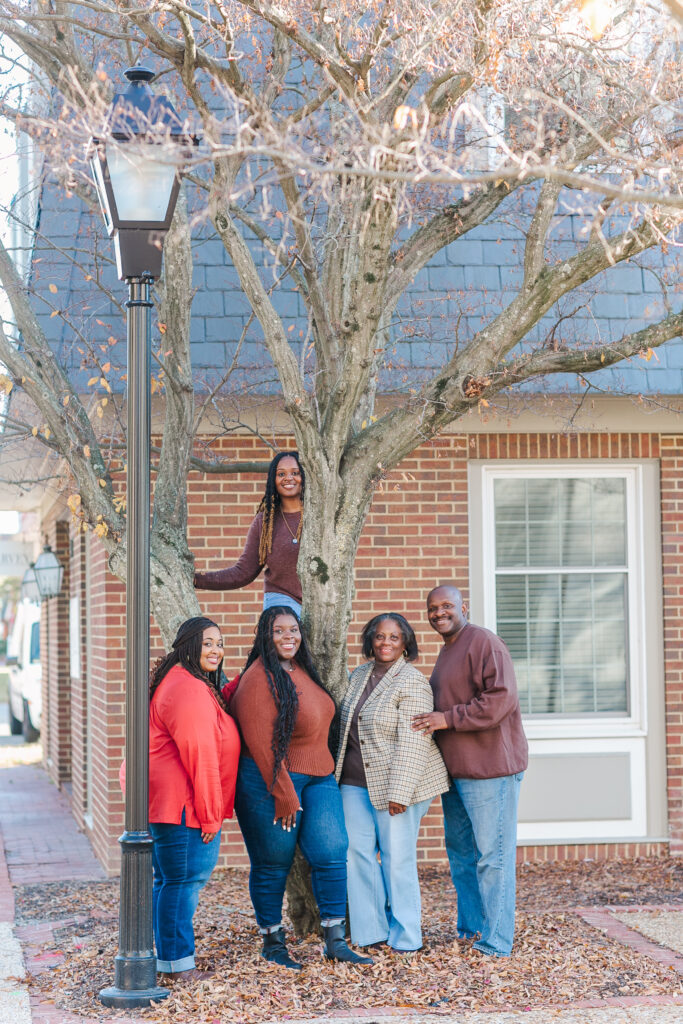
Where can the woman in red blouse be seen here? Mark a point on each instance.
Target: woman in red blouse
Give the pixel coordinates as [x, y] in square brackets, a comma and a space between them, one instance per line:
[193, 754]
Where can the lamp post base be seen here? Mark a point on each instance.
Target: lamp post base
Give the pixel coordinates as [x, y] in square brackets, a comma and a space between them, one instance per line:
[122, 999]
[134, 985]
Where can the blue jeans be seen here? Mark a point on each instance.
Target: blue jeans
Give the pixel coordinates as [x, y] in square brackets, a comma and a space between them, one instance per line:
[384, 899]
[270, 599]
[319, 831]
[480, 824]
[182, 866]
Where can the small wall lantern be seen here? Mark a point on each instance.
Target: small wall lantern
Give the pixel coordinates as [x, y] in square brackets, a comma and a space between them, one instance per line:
[29, 585]
[48, 572]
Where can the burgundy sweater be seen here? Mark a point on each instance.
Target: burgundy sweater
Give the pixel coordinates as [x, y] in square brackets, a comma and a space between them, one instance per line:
[254, 709]
[280, 576]
[474, 685]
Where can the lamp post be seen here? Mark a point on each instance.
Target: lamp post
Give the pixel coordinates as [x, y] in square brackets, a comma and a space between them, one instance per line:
[137, 184]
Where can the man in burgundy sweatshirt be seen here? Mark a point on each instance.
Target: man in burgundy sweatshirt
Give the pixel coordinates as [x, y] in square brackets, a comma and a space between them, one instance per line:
[478, 726]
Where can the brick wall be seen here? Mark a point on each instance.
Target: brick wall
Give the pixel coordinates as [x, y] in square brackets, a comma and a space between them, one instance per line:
[54, 642]
[416, 535]
[79, 694]
[106, 650]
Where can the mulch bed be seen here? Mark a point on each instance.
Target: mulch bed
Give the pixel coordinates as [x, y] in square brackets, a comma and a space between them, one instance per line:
[558, 958]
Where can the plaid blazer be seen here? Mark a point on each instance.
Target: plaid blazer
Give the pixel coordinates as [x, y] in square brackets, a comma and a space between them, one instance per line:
[400, 765]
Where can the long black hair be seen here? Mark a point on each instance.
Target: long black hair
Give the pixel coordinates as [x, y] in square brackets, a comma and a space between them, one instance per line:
[186, 651]
[280, 682]
[270, 503]
[367, 637]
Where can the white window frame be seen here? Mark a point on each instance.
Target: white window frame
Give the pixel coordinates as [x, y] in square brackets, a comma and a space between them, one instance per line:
[591, 724]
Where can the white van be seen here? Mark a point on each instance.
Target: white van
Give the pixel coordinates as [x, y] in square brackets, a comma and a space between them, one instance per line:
[25, 674]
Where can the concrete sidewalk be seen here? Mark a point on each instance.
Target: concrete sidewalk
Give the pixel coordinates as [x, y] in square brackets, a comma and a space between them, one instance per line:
[39, 842]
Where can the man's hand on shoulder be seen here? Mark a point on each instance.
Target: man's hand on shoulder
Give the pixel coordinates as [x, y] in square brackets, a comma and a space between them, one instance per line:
[429, 723]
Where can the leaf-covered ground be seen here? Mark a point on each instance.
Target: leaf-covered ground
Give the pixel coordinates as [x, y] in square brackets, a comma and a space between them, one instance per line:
[558, 958]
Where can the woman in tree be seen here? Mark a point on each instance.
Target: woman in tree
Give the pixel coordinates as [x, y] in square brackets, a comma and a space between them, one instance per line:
[387, 783]
[286, 792]
[272, 540]
[193, 756]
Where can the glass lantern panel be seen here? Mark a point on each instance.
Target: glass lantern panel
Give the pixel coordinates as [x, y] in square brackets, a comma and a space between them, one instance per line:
[29, 586]
[142, 181]
[98, 178]
[48, 572]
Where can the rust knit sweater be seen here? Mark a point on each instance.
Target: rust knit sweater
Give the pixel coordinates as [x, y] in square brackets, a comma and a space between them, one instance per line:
[254, 710]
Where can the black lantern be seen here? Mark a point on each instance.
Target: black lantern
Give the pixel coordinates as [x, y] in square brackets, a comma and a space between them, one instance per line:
[48, 572]
[135, 171]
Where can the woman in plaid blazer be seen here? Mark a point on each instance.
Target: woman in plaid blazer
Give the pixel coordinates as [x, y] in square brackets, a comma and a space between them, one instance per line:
[388, 775]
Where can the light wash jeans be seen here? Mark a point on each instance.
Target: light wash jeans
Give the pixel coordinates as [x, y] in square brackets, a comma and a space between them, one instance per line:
[182, 866]
[480, 824]
[271, 599]
[384, 899]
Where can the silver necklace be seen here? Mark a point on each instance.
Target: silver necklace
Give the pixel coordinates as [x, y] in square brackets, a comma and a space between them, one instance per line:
[289, 530]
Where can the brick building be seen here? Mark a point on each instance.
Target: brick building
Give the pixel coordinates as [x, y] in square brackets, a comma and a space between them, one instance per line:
[560, 516]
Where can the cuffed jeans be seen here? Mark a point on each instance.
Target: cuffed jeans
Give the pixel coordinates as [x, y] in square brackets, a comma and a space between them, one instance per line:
[319, 831]
[480, 824]
[384, 899]
[182, 866]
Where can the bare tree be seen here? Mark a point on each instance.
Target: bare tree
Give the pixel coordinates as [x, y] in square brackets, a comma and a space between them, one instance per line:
[356, 142]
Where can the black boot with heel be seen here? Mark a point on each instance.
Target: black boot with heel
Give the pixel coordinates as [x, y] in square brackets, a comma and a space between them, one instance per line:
[275, 950]
[337, 949]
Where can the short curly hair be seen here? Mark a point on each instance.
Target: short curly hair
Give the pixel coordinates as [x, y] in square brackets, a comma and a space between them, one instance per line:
[370, 628]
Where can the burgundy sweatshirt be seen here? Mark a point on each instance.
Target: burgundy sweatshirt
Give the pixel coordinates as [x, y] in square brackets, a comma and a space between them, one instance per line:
[280, 576]
[474, 685]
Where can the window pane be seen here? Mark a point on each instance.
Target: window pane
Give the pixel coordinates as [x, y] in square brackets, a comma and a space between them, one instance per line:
[567, 634]
[566, 630]
[544, 596]
[544, 541]
[577, 544]
[511, 544]
[610, 543]
[578, 693]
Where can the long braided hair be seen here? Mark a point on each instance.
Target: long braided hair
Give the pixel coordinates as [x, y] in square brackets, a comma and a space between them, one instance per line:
[280, 682]
[186, 651]
[270, 505]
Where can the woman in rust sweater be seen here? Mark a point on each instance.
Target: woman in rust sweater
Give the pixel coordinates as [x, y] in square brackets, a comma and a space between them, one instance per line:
[272, 541]
[286, 791]
[193, 755]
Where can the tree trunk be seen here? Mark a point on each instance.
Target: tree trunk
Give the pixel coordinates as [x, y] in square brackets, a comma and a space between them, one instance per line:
[301, 904]
[335, 511]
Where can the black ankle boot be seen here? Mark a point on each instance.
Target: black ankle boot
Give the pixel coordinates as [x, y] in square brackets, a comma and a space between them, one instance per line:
[275, 951]
[336, 948]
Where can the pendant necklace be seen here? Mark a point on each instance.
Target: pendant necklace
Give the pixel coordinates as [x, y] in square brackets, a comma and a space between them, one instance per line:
[295, 539]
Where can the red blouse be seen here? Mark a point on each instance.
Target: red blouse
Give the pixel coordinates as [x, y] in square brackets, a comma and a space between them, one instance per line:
[194, 748]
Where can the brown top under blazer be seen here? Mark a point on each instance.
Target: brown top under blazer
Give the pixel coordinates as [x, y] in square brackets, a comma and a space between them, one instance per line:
[400, 765]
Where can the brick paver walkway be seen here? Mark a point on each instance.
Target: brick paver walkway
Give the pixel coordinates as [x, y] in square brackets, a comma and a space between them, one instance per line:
[42, 843]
